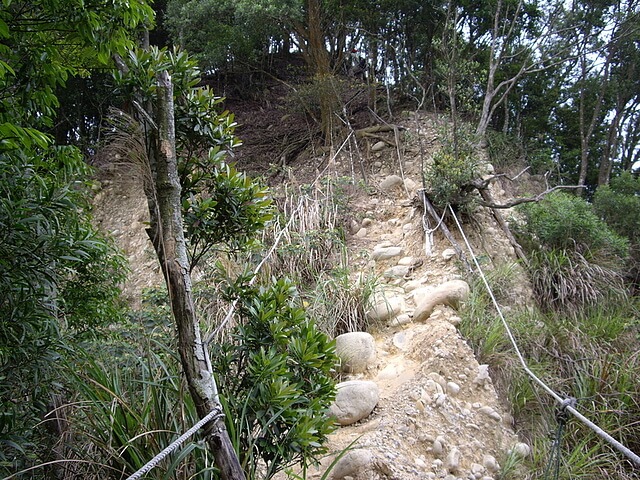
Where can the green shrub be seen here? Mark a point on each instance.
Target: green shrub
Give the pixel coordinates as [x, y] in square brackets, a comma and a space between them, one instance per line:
[575, 258]
[619, 206]
[275, 376]
[447, 178]
[563, 221]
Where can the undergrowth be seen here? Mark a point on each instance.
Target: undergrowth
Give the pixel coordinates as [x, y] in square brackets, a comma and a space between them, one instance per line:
[590, 355]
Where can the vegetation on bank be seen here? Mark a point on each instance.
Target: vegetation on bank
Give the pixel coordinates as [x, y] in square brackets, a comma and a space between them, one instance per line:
[83, 380]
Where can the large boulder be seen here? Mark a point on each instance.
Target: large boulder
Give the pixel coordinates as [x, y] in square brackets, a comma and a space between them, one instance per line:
[355, 400]
[451, 293]
[356, 351]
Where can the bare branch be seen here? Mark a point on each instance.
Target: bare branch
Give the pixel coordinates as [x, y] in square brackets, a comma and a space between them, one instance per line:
[537, 198]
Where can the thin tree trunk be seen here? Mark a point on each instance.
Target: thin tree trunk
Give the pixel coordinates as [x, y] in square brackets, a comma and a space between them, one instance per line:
[611, 147]
[167, 235]
[319, 58]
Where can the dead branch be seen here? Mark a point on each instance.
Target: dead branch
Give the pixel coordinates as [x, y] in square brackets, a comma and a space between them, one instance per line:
[518, 201]
[369, 131]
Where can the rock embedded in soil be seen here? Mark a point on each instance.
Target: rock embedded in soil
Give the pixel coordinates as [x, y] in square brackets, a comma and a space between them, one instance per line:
[385, 253]
[351, 464]
[385, 309]
[356, 351]
[390, 183]
[451, 293]
[355, 400]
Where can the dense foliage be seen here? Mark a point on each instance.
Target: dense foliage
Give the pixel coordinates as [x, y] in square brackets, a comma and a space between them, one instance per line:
[59, 277]
[524, 68]
[276, 378]
[222, 208]
[576, 259]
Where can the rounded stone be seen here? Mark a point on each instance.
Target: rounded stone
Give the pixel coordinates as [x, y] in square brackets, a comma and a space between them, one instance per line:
[522, 450]
[451, 293]
[391, 182]
[385, 309]
[356, 351]
[351, 464]
[355, 400]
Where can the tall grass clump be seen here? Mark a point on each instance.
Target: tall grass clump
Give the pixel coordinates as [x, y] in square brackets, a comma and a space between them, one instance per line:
[310, 231]
[576, 259]
[339, 303]
[589, 354]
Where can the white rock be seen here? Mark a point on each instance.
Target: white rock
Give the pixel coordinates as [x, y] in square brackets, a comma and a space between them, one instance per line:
[483, 375]
[453, 460]
[355, 400]
[378, 146]
[385, 253]
[491, 413]
[406, 261]
[400, 340]
[391, 182]
[361, 233]
[451, 293]
[448, 254]
[399, 271]
[490, 463]
[400, 320]
[438, 446]
[385, 308]
[352, 463]
[453, 388]
[477, 470]
[454, 320]
[356, 351]
[520, 449]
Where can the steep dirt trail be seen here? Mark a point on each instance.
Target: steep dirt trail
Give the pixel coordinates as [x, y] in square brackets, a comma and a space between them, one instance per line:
[438, 415]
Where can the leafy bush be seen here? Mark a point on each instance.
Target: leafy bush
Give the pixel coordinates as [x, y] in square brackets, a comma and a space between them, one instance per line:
[619, 206]
[275, 377]
[575, 258]
[447, 177]
[59, 284]
[563, 221]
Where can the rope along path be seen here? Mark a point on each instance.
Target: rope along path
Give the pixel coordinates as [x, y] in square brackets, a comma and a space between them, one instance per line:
[214, 415]
[565, 403]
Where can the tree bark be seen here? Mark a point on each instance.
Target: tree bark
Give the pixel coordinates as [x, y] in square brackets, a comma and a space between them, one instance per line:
[318, 58]
[167, 234]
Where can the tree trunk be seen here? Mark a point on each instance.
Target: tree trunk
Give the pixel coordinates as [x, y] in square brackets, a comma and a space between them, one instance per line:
[167, 234]
[319, 60]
